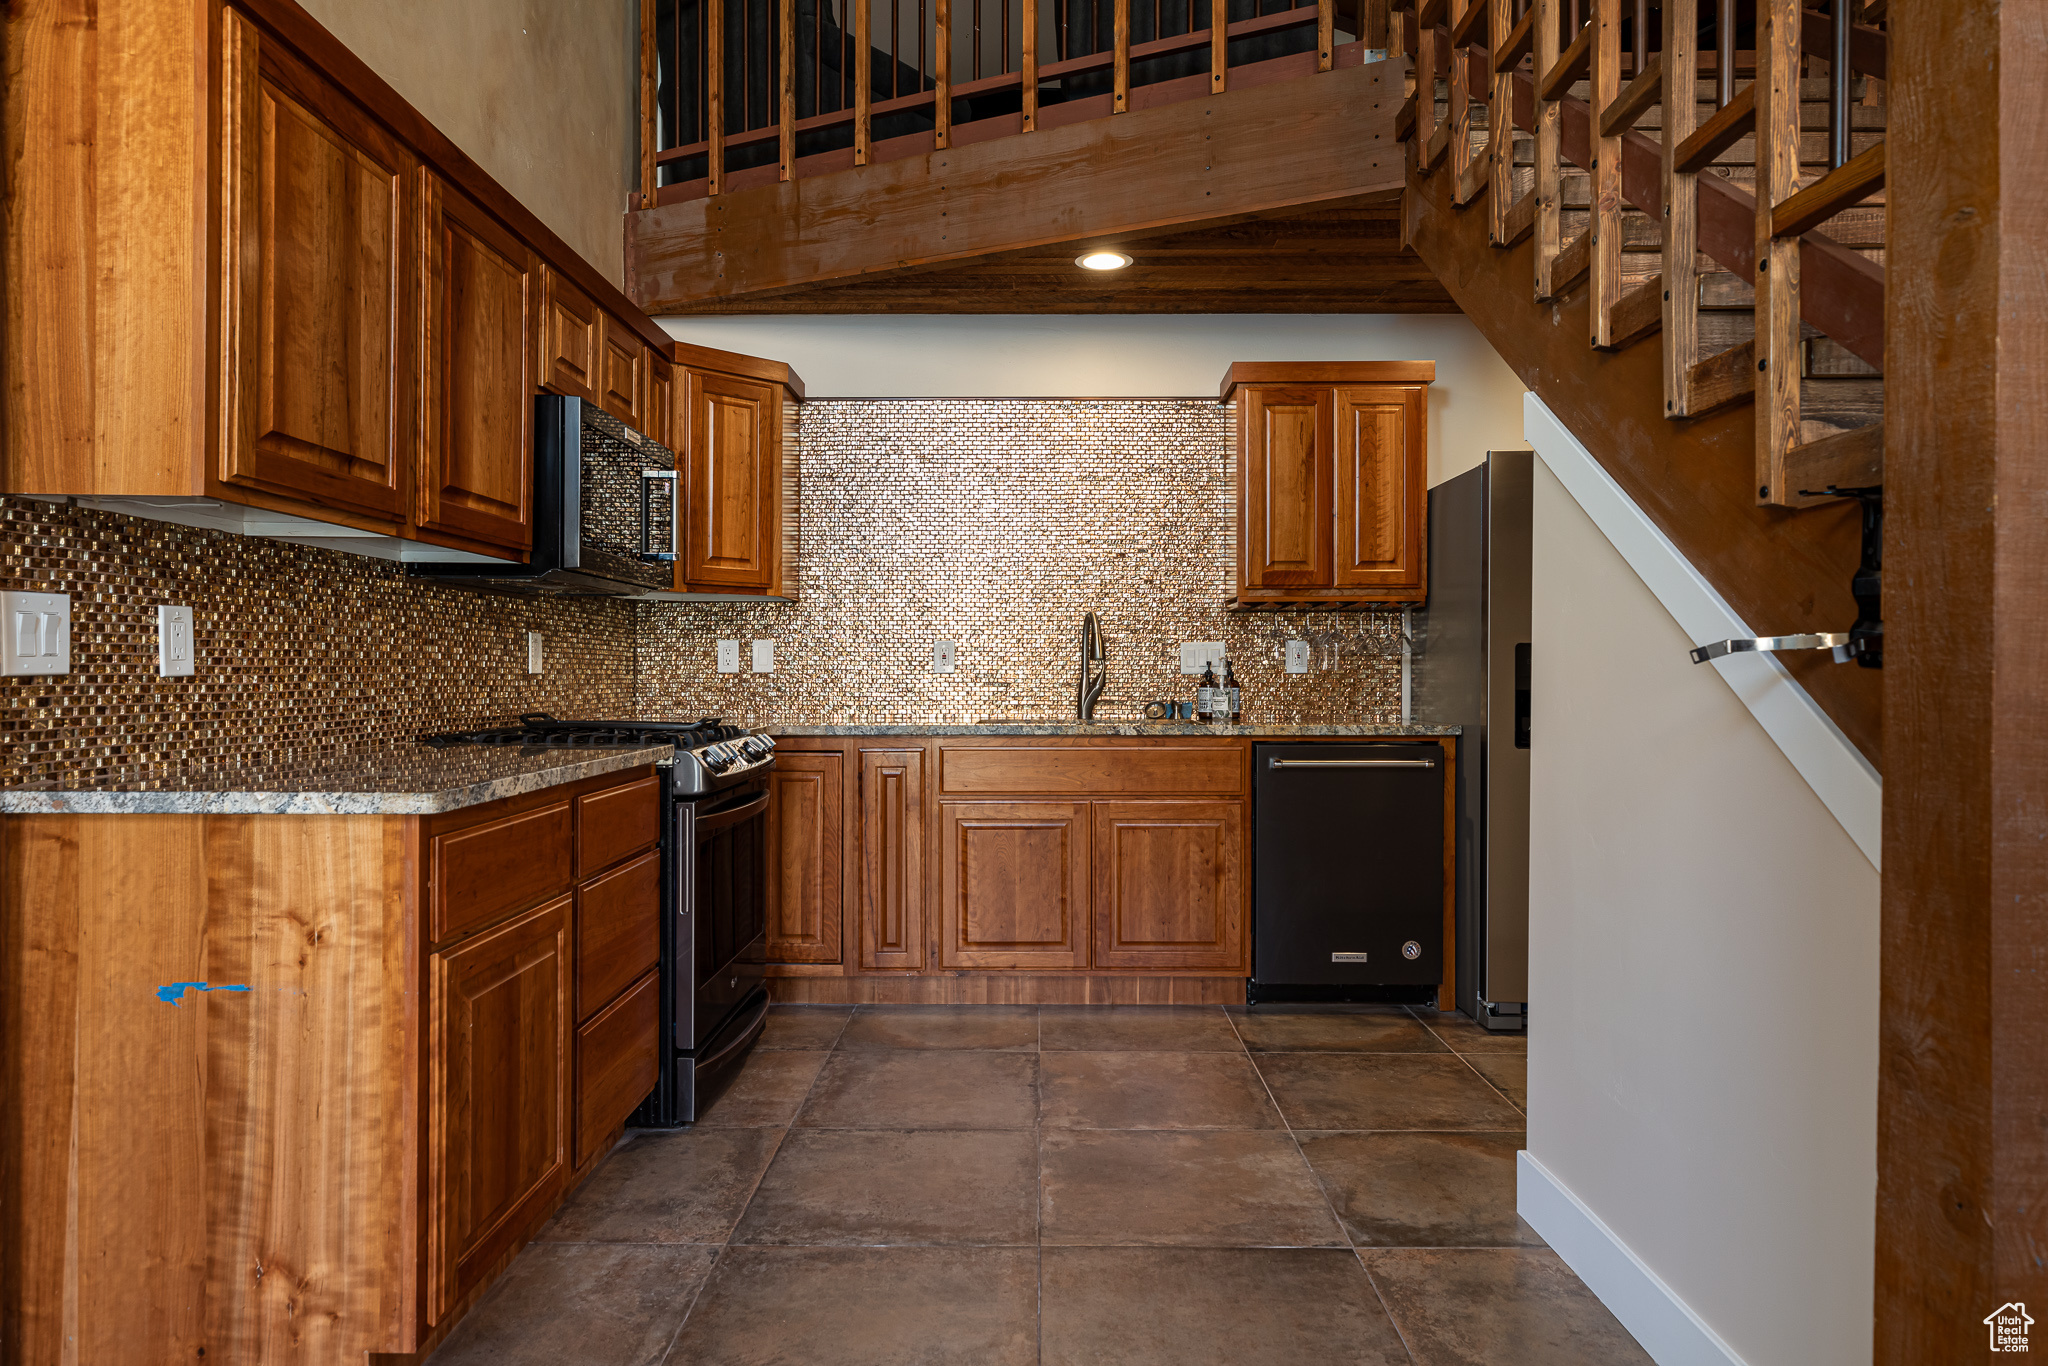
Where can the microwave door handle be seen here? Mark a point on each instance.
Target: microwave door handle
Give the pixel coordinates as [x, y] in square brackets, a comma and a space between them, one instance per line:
[647, 481]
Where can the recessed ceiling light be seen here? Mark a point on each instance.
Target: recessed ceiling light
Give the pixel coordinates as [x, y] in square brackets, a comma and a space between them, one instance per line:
[1102, 260]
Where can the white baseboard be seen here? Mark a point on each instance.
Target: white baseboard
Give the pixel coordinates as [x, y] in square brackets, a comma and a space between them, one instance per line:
[1836, 770]
[1664, 1324]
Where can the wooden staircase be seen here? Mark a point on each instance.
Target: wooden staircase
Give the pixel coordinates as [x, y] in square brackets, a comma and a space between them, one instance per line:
[1600, 221]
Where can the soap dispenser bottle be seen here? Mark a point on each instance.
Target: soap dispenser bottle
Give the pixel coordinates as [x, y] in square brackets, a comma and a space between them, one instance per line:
[1205, 696]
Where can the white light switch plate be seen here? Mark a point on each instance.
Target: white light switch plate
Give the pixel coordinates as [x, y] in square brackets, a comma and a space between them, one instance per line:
[534, 658]
[35, 633]
[945, 654]
[174, 652]
[1297, 656]
[764, 656]
[1195, 655]
[728, 656]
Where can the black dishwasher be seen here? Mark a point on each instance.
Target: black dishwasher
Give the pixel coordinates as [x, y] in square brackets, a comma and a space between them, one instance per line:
[1347, 872]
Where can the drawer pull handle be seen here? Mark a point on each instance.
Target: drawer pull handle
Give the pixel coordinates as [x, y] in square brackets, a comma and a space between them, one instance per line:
[1351, 763]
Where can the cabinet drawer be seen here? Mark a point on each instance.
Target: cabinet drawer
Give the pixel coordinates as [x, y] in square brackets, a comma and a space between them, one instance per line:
[617, 823]
[617, 1059]
[1143, 769]
[486, 871]
[618, 931]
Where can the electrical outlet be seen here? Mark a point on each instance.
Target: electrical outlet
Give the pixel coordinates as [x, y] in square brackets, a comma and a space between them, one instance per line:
[534, 660]
[35, 633]
[764, 656]
[174, 651]
[945, 654]
[728, 656]
[1196, 655]
[1297, 656]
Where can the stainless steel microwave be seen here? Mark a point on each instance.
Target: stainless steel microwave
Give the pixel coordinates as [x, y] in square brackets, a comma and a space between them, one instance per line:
[607, 510]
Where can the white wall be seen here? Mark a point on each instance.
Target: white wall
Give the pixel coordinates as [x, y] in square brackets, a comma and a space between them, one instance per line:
[1703, 963]
[544, 94]
[1474, 406]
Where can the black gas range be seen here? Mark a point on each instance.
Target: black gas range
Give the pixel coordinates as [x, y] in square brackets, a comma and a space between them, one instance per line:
[714, 890]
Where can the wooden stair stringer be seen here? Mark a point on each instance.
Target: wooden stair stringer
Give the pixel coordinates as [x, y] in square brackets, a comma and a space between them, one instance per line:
[1783, 570]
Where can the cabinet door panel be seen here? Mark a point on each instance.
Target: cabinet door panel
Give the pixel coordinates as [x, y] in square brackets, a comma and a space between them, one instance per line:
[661, 402]
[734, 458]
[804, 832]
[1381, 473]
[318, 285]
[618, 931]
[618, 1060]
[476, 389]
[624, 393]
[1169, 885]
[1013, 884]
[892, 869]
[499, 1054]
[481, 872]
[572, 340]
[1286, 446]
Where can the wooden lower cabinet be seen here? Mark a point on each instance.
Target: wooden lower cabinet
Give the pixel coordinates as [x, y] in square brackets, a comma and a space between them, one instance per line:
[616, 1064]
[499, 1099]
[1169, 884]
[805, 837]
[891, 861]
[1013, 884]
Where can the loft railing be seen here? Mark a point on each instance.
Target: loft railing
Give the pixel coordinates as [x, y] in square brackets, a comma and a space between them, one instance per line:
[745, 92]
[1574, 78]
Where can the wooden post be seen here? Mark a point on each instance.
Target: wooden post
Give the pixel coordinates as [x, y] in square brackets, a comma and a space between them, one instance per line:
[1326, 34]
[1028, 65]
[1425, 86]
[1459, 109]
[942, 87]
[649, 92]
[1962, 1011]
[1604, 264]
[1776, 99]
[1500, 126]
[786, 114]
[1120, 100]
[1681, 114]
[714, 95]
[1373, 26]
[1219, 45]
[1549, 228]
[863, 78]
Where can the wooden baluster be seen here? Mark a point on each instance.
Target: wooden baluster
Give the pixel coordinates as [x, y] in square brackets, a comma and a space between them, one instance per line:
[942, 88]
[714, 95]
[786, 114]
[1425, 86]
[1373, 25]
[1604, 263]
[648, 93]
[1724, 53]
[1777, 258]
[863, 79]
[1028, 61]
[1219, 45]
[1326, 34]
[1460, 111]
[1120, 101]
[1500, 125]
[1680, 114]
[1549, 226]
[1640, 32]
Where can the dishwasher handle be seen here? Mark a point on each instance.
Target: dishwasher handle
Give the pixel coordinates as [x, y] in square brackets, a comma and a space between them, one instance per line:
[1350, 763]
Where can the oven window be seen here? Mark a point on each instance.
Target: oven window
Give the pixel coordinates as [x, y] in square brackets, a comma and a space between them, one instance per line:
[731, 901]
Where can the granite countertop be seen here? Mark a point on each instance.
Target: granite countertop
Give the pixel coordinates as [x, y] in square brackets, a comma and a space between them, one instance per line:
[1117, 728]
[399, 780]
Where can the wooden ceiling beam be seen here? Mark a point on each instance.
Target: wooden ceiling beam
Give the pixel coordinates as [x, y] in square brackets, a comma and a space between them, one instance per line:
[1289, 146]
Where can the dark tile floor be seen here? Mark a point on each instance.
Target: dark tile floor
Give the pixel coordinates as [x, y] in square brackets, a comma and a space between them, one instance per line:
[1065, 1185]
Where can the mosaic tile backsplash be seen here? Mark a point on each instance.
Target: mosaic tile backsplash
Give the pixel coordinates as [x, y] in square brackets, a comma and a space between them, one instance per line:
[996, 524]
[304, 655]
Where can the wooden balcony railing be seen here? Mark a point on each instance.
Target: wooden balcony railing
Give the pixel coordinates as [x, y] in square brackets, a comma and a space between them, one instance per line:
[745, 92]
[1575, 78]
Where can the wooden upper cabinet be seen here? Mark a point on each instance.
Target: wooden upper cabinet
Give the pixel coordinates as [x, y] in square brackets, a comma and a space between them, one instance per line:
[624, 390]
[661, 402]
[500, 1031]
[318, 286]
[482, 297]
[1333, 473]
[733, 452]
[1013, 884]
[1169, 885]
[572, 340]
[804, 842]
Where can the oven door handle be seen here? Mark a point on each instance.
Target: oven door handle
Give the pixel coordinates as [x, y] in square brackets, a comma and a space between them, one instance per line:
[707, 825]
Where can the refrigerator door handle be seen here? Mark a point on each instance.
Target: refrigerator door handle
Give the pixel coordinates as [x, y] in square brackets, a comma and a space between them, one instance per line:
[1351, 763]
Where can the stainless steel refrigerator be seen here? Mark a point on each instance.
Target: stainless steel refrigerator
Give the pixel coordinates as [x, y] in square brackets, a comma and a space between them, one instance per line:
[1471, 668]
